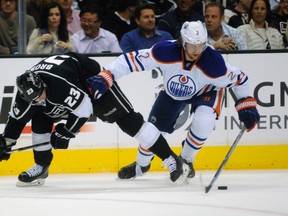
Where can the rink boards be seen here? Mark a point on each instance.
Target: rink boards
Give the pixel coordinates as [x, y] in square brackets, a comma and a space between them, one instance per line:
[102, 147]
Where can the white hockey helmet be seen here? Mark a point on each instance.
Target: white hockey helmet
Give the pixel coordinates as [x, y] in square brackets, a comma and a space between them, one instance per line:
[193, 33]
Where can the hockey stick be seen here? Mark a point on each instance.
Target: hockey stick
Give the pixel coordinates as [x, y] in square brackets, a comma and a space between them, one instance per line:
[26, 147]
[236, 141]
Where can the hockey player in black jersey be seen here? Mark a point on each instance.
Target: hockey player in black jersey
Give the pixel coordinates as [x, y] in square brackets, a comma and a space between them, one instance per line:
[59, 87]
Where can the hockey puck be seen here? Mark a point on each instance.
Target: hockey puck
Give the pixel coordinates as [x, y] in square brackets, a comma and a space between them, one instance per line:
[222, 187]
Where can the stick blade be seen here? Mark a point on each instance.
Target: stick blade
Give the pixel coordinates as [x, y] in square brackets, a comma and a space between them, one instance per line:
[207, 188]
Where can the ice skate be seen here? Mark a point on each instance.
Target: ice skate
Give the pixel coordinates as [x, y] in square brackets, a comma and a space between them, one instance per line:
[191, 173]
[35, 176]
[131, 171]
[178, 169]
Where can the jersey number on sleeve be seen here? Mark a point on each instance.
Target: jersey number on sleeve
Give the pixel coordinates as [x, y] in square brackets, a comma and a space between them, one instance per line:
[72, 99]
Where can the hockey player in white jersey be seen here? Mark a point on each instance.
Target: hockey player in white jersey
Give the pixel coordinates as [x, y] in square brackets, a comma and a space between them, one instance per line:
[193, 73]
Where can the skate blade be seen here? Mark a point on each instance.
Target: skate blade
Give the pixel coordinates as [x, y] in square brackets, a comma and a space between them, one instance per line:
[37, 182]
[183, 179]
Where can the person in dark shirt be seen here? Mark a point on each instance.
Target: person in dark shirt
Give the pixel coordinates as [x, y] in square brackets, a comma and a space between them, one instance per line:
[121, 20]
[146, 35]
[172, 21]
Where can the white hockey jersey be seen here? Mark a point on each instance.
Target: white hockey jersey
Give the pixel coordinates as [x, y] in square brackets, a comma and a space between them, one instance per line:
[183, 79]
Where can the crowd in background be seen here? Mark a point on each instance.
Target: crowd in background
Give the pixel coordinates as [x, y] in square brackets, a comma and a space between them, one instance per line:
[103, 26]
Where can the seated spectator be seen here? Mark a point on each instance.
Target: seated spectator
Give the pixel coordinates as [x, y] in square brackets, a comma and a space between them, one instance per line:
[220, 35]
[9, 27]
[120, 21]
[286, 33]
[34, 7]
[72, 15]
[239, 14]
[257, 33]
[92, 38]
[52, 36]
[172, 21]
[280, 18]
[146, 35]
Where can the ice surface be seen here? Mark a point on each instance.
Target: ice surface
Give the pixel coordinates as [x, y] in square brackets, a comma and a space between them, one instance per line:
[249, 193]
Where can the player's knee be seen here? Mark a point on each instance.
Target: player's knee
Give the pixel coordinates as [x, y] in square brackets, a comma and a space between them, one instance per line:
[147, 135]
[131, 123]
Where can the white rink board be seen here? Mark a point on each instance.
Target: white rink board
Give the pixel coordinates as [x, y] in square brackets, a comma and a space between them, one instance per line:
[266, 72]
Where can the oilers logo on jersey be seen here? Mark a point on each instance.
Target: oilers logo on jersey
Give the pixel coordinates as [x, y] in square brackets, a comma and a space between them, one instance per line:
[181, 85]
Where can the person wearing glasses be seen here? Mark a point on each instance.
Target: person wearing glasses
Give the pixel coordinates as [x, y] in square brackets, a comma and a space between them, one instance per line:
[9, 27]
[52, 36]
[92, 38]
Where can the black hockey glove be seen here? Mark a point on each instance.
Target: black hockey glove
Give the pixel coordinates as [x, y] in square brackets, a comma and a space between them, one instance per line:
[4, 148]
[248, 114]
[100, 83]
[60, 137]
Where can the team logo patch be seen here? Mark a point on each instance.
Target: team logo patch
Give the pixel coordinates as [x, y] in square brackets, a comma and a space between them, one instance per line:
[181, 86]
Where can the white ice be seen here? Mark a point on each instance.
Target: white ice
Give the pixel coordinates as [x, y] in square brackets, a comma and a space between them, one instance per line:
[257, 193]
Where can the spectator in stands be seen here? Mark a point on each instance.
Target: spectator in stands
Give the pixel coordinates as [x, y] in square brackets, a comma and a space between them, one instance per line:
[172, 21]
[9, 27]
[120, 21]
[72, 15]
[220, 35]
[52, 36]
[104, 5]
[199, 6]
[146, 35]
[34, 7]
[92, 38]
[239, 14]
[280, 18]
[257, 33]
[286, 33]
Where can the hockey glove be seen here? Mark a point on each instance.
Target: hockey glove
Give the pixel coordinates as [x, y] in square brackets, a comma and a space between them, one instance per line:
[100, 83]
[248, 114]
[60, 137]
[5, 148]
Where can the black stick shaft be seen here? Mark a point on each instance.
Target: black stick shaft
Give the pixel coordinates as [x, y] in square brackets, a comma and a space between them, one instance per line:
[27, 147]
[236, 141]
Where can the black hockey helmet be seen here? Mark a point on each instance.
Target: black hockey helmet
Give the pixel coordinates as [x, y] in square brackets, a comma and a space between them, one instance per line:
[30, 86]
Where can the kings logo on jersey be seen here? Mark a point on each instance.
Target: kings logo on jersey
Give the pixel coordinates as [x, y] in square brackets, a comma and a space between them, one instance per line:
[181, 86]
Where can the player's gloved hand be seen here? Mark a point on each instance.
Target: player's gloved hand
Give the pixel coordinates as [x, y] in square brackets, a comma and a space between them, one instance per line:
[248, 114]
[4, 147]
[100, 83]
[60, 137]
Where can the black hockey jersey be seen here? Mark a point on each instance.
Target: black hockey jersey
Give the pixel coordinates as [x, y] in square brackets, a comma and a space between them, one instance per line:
[67, 96]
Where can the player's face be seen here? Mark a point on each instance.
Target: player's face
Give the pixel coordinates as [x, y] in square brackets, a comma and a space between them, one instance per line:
[193, 51]
[41, 98]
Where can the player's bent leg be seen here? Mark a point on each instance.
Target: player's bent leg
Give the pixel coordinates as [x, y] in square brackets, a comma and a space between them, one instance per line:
[36, 175]
[151, 138]
[144, 157]
[202, 125]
